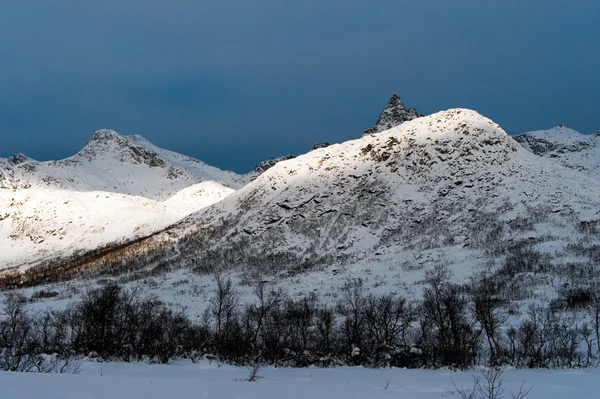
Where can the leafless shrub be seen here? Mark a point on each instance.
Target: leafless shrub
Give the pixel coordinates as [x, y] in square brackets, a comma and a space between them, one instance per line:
[487, 386]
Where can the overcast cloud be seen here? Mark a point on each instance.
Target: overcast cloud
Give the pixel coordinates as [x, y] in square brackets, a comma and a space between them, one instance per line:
[233, 82]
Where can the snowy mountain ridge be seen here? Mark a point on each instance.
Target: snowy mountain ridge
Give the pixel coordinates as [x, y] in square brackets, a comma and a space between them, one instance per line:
[116, 188]
[451, 188]
[567, 146]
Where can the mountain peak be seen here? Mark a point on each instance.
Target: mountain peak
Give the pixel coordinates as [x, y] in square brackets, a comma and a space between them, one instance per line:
[450, 137]
[103, 135]
[395, 113]
[395, 101]
[18, 158]
[109, 145]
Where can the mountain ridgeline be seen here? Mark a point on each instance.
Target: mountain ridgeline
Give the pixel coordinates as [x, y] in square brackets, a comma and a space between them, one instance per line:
[450, 188]
[117, 188]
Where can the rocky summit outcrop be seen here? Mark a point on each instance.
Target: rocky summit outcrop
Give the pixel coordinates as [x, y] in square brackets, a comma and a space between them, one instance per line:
[108, 144]
[323, 144]
[263, 166]
[394, 114]
[18, 158]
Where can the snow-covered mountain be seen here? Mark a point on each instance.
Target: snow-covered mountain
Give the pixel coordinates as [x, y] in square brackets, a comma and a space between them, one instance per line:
[394, 114]
[450, 188]
[116, 188]
[567, 146]
[121, 164]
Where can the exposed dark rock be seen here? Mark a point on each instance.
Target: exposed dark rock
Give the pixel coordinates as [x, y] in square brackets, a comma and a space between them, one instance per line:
[320, 145]
[394, 114]
[18, 159]
[543, 146]
[107, 141]
[269, 163]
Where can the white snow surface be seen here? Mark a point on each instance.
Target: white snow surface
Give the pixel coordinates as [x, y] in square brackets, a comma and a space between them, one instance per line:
[385, 207]
[115, 188]
[185, 380]
[426, 185]
[568, 147]
[192, 165]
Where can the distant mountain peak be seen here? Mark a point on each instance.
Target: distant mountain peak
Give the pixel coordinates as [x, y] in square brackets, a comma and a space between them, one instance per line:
[394, 114]
[108, 144]
[567, 146]
[18, 158]
[104, 134]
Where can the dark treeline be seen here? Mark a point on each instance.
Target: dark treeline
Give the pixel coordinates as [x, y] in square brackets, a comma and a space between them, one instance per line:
[452, 326]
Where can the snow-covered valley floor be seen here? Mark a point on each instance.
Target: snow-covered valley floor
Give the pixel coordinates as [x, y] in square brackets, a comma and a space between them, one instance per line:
[204, 380]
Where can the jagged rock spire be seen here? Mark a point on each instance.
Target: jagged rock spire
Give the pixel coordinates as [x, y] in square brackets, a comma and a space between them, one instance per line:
[394, 114]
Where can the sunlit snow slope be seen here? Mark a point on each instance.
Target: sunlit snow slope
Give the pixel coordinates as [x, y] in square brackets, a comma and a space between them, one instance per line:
[115, 188]
[451, 185]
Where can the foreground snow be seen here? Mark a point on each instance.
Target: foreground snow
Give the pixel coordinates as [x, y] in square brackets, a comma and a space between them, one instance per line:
[186, 380]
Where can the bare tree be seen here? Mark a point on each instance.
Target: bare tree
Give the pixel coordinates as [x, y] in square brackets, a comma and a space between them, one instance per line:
[267, 301]
[253, 375]
[487, 386]
[594, 310]
[455, 339]
[491, 315]
[351, 309]
[16, 336]
[224, 304]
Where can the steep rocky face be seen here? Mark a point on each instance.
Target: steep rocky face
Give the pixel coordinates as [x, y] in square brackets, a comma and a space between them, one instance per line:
[566, 146]
[394, 114]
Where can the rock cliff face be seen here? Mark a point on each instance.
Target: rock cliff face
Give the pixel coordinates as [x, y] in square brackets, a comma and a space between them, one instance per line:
[394, 114]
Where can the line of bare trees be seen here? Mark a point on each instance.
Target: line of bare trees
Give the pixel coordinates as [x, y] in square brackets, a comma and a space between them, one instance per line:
[453, 326]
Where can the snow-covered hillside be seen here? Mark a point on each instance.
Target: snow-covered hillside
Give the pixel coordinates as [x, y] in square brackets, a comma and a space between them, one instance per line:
[451, 188]
[567, 146]
[116, 188]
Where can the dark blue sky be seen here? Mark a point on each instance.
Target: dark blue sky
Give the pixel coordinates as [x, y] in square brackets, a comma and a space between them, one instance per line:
[233, 82]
